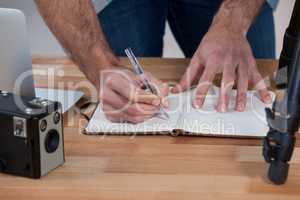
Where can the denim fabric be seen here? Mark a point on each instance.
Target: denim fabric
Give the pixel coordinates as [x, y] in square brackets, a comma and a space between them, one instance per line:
[100, 4]
[273, 3]
[140, 24]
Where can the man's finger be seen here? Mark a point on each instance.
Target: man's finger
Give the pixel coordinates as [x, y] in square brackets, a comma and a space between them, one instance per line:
[132, 93]
[162, 89]
[195, 68]
[112, 115]
[226, 87]
[204, 84]
[142, 96]
[242, 87]
[138, 109]
[108, 96]
[260, 86]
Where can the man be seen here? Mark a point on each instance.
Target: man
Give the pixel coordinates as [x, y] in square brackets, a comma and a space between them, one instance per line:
[219, 35]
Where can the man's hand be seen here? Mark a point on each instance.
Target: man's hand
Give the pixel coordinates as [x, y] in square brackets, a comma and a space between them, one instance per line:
[225, 49]
[124, 100]
[76, 26]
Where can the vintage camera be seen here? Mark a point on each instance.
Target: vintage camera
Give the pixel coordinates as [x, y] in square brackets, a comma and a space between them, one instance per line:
[31, 135]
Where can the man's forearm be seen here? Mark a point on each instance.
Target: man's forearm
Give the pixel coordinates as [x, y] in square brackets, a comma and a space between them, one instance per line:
[238, 15]
[75, 24]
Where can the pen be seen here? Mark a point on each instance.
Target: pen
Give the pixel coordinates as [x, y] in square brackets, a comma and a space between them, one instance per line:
[140, 72]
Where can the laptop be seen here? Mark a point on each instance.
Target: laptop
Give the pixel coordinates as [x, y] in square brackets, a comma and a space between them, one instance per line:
[16, 64]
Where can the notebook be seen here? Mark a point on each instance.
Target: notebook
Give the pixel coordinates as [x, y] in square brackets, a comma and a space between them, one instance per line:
[186, 120]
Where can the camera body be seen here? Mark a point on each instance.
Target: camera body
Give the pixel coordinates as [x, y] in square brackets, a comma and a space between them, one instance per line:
[31, 135]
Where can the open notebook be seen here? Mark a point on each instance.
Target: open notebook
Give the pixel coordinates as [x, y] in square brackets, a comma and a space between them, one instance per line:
[189, 121]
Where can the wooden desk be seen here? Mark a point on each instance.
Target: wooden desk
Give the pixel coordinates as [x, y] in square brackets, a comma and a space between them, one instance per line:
[150, 167]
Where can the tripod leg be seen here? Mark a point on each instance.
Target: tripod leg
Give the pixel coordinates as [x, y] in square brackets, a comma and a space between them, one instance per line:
[278, 149]
[284, 117]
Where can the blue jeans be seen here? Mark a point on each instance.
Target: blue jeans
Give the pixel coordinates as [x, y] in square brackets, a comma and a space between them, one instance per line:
[140, 24]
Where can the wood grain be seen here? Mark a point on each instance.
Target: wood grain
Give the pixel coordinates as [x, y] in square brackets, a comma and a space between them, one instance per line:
[151, 167]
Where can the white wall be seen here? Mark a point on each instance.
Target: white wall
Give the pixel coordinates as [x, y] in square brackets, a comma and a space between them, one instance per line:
[43, 43]
[282, 18]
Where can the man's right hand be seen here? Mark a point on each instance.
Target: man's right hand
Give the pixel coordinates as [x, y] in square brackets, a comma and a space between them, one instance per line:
[75, 24]
[124, 100]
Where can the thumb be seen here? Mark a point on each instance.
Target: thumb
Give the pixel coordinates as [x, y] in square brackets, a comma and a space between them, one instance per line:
[162, 89]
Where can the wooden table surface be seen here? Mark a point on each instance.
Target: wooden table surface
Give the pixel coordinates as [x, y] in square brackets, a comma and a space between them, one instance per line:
[149, 167]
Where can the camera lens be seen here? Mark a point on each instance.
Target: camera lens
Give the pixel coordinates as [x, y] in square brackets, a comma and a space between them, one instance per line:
[56, 118]
[52, 141]
[43, 125]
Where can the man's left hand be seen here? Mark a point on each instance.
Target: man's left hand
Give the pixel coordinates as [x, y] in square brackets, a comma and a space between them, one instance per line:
[229, 52]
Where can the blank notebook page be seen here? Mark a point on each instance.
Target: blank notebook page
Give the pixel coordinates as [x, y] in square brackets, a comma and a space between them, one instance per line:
[207, 121]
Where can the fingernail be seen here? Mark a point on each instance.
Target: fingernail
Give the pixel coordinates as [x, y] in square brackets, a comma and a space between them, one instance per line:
[156, 102]
[223, 108]
[165, 102]
[196, 104]
[240, 107]
[175, 89]
[268, 99]
[148, 92]
[165, 85]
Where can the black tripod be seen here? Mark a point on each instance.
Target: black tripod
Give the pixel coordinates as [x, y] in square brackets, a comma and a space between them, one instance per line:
[284, 117]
